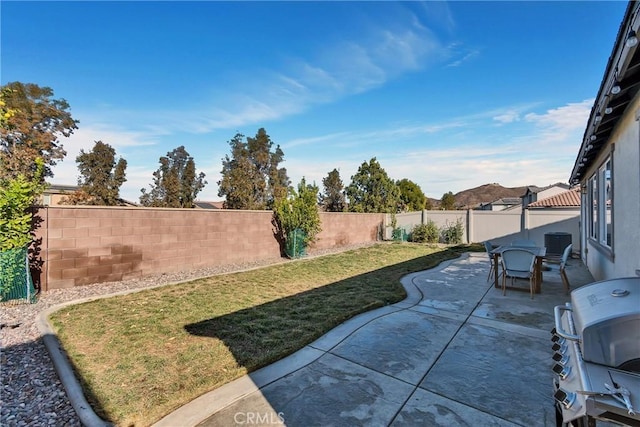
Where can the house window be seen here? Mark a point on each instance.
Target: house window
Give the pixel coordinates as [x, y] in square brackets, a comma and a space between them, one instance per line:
[600, 190]
[604, 178]
[593, 207]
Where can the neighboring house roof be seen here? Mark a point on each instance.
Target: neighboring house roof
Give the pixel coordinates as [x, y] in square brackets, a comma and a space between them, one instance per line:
[63, 189]
[618, 88]
[60, 189]
[507, 201]
[209, 205]
[567, 199]
[535, 189]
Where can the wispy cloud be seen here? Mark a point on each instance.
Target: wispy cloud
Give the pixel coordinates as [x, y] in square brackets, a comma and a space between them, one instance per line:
[558, 123]
[465, 57]
[519, 155]
[408, 131]
[332, 72]
[122, 140]
[316, 140]
[508, 117]
[568, 116]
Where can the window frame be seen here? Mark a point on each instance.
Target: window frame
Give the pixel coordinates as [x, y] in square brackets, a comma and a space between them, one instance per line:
[600, 190]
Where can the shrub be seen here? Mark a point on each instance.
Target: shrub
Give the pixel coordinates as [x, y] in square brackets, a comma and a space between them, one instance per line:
[425, 233]
[452, 233]
[297, 219]
[16, 196]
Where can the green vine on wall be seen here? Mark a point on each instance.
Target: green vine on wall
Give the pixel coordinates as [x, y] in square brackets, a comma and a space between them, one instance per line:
[17, 195]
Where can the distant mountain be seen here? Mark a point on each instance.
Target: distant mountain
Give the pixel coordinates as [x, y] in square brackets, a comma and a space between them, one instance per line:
[471, 198]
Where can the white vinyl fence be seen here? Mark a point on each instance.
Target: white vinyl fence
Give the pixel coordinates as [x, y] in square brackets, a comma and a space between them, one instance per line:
[499, 227]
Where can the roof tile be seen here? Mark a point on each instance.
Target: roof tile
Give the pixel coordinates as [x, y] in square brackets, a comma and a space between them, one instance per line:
[565, 199]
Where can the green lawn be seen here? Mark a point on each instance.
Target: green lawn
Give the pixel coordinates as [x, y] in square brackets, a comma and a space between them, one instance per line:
[142, 355]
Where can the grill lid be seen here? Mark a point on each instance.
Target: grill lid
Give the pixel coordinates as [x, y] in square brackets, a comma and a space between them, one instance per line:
[607, 320]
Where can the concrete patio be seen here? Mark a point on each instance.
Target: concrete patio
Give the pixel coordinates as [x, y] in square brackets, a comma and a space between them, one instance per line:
[455, 352]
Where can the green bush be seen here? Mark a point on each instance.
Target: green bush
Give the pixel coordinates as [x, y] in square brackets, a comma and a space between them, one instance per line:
[452, 233]
[17, 195]
[425, 233]
[297, 219]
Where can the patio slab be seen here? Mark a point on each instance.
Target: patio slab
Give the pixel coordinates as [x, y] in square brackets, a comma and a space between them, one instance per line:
[331, 391]
[455, 352]
[430, 409]
[408, 359]
[499, 372]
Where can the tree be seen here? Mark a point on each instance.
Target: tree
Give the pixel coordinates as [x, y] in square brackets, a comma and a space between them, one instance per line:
[428, 205]
[175, 183]
[17, 195]
[371, 190]
[32, 130]
[448, 201]
[411, 196]
[252, 177]
[333, 199]
[100, 177]
[297, 219]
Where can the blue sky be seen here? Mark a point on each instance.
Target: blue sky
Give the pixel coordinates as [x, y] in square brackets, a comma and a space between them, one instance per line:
[450, 95]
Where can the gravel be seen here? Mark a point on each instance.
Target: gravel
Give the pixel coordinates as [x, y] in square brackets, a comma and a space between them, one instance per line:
[31, 393]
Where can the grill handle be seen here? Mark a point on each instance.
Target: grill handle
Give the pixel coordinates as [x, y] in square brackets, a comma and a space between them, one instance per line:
[557, 314]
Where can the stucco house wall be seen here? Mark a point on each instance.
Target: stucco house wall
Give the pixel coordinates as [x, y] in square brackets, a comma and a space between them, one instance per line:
[624, 145]
[607, 165]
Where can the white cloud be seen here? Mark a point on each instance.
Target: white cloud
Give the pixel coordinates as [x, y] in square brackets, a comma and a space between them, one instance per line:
[465, 58]
[559, 122]
[138, 176]
[508, 117]
[316, 140]
[332, 72]
[476, 155]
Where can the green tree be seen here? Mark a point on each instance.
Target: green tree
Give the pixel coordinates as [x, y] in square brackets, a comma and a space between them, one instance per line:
[252, 177]
[371, 190]
[100, 177]
[448, 201]
[175, 183]
[333, 199]
[17, 195]
[31, 130]
[411, 196]
[297, 213]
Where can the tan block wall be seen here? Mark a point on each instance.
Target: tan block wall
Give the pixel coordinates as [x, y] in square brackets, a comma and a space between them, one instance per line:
[342, 229]
[85, 245]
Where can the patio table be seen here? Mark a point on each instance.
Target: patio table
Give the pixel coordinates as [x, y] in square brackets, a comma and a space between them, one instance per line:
[540, 253]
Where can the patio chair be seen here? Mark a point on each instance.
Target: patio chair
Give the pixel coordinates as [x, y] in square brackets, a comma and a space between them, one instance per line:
[489, 247]
[562, 263]
[518, 263]
[524, 243]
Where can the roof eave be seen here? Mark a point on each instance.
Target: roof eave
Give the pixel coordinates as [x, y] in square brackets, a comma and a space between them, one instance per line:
[623, 68]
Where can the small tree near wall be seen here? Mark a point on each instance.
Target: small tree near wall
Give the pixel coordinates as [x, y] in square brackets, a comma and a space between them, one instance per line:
[17, 195]
[296, 219]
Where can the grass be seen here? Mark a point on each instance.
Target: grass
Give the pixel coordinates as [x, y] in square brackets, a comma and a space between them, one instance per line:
[142, 355]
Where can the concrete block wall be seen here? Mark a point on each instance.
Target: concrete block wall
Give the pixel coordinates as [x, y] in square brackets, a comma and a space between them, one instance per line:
[343, 229]
[87, 244]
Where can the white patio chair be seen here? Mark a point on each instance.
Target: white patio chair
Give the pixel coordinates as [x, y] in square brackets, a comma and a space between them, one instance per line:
[517, 263]
[562, 263]
[489, 247]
